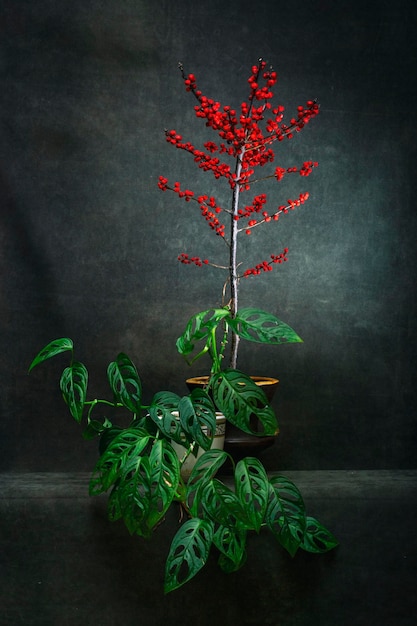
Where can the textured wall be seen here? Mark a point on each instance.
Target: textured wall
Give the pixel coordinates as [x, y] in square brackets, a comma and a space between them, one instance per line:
[89, 244]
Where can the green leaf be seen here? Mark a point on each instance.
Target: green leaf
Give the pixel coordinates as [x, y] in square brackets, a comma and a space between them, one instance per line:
[130, 500]
[146, 488]
[200, 327]
[222, 505]
[205, 468]
[95, 427]
[164, 413]
[73, 383]
[107, 437]
[125, 382]
[252, 489]
[189, 552]
[317, 538]
[231, 542]
[119, 456]
[198, 418]
[53, 348]
[164, 480]
[261, 327]
[239, 398]
[145, 475]
[285, 515]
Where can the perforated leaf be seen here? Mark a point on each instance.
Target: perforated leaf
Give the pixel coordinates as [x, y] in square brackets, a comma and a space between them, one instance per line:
[200, 328]
[73, 384]
[285, 515]
[223, 506]
[231, 542]
[207, 465]
[189, 552]
[252, 489]
[198, 418]
[239, 398]
[164, 413]
[130, 498]
[261, 327]
[146, 489]
[52, 349]
[317, 538]
[125, 382]
[119, 456]
[164, 479]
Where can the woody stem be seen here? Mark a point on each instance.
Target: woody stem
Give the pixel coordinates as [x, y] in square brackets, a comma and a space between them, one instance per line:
[234, 278]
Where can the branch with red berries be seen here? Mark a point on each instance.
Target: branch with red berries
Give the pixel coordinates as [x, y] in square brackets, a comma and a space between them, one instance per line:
[246, 139]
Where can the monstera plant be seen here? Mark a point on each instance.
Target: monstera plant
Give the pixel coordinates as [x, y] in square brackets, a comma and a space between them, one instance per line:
[141, 470]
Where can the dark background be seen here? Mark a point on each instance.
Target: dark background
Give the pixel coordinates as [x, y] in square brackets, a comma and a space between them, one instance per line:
[88, 243]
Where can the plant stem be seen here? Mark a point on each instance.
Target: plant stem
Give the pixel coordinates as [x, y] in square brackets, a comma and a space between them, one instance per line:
[97, 401]
[234, 279]
[214, 354]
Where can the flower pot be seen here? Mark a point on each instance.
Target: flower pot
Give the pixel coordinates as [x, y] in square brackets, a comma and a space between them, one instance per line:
[218, 443]
[238, 443]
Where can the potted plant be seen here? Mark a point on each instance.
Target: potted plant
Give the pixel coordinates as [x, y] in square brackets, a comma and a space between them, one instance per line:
[138, 463]
[244, 147]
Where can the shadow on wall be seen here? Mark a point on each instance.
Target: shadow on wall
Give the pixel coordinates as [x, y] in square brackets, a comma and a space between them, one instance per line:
[55, 62]
[27, 306]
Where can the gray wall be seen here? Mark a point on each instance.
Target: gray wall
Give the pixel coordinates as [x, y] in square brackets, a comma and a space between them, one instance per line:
[89, 244]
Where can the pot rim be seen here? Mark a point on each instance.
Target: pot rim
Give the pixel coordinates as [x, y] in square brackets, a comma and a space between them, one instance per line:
[259, 380]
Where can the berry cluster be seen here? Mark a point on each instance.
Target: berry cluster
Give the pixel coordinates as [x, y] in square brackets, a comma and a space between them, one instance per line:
[205, 160]
[208, 205]
[184, 258]
[257, 205]
[246, 136]
[266, 266]
[241, 133]
[304, 170]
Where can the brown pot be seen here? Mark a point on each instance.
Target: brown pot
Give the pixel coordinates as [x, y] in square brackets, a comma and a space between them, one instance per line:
[238, 443]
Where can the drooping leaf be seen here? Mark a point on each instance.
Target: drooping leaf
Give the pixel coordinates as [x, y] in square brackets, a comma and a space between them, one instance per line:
[73, 384]
[239, 398]
[200, 328]
[317, 538]
[51, 349]
[198, 418]
[252, 489]
[125, 382]
[262, 327]
[164, 413]
[164, 479]
[285, 515]
[119, 457]
[114, 511]
[223, 506]
[145, 489]
[231, 542]
[230, 565]
[188, 553]
[205, 468]
[129, 499]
